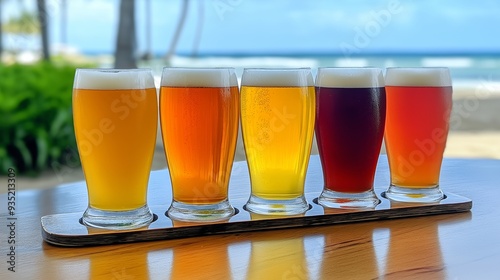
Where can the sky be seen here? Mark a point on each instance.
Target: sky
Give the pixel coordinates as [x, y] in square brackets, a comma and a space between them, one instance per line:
[285, 26]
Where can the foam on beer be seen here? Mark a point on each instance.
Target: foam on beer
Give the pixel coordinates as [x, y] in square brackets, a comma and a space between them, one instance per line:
[277, 78]
[349, 77]
[113, 79]
[199, 77]
[421, 76]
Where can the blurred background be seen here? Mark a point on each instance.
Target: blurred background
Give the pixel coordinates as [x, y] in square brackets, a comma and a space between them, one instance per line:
[43, 41]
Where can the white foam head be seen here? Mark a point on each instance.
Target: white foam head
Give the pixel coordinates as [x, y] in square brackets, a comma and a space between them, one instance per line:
[340, 77]
[277, 77]
[113, 79]
[418, 76]
[198, 77]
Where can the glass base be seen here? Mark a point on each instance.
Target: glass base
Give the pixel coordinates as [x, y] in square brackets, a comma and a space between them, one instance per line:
[420, 195]
[200, 212]
[333, 199]
[277, 207]
[117, 220]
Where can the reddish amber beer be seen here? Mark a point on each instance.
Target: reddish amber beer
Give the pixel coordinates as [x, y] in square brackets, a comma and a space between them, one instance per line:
[350, 120]
[199, 120]
[419, 102]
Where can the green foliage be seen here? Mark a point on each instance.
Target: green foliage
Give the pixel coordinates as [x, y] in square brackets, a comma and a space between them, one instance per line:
[25, 23]
[36, 122]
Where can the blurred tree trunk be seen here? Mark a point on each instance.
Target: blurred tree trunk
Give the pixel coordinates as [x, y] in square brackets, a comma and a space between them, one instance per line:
[1, 33]
[178, 31]
[64, 22]
[125, 56]
[149, 50]
[42, 18]
[199, 29]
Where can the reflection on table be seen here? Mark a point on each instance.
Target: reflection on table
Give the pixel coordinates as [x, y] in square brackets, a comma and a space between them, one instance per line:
[450, 246]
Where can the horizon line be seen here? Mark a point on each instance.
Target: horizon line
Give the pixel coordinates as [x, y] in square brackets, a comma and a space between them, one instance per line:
[315, 54]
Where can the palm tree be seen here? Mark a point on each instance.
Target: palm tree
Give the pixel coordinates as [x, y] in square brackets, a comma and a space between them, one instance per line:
[125, 42]
[42, 18]
[25, 23]
[199, 29]
[148, 54]
[178, 31]
[64, 22]
[1, 34]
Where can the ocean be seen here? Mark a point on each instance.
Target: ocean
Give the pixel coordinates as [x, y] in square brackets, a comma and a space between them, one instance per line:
[466, 69]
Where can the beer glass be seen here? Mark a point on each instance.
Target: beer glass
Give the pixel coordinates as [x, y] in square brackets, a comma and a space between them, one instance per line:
[419, 102]
[115, 119]
[350, 121]
[199, 117]
[277, 117]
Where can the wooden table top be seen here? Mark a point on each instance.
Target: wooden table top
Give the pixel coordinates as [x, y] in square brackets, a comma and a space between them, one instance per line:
[454, 246]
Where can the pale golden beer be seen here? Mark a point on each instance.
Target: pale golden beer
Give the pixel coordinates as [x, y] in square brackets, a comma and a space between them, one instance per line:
[199, 114]
[115, 119]
[277, 116]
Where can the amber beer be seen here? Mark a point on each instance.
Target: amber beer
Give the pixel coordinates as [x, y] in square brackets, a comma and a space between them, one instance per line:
[199, 116]
[277, 115]
[350, 120]
[115, 119]
[419, 102]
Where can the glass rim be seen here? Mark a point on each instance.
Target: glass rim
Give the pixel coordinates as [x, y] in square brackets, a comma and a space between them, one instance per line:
[198, 77]
[114, 70]
[276, 68]
[349, 77]
[196, 68]
[113, 79]
[351, 67]
[418, 67]
[277, 77]
[418, 76]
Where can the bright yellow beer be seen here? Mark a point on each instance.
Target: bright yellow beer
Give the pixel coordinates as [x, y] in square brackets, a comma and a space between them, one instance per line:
[277, 120]
[115, 125]
[277, 124]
